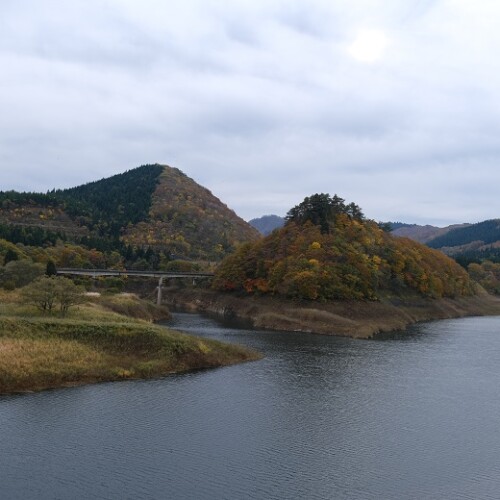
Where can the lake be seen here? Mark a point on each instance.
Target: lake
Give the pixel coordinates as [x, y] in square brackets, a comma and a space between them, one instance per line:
[415, 415]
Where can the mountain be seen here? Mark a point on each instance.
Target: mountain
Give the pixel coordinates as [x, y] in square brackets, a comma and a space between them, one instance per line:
[147, 213]
[328, 250]
[464, 242]
[478, 235]
[422, 234]
[475, 243]
[188, 220]
[267, 223]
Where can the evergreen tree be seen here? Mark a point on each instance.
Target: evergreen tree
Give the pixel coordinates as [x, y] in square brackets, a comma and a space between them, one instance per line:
[51, 268]
[321, 210]
[10, 256]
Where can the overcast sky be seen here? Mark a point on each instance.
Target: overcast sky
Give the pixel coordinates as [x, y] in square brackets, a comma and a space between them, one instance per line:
[392, 104]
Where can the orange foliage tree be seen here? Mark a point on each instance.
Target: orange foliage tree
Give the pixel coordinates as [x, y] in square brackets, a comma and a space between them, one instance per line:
[341, 256]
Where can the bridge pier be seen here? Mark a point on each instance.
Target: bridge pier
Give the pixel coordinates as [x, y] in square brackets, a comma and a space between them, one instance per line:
[158, 295]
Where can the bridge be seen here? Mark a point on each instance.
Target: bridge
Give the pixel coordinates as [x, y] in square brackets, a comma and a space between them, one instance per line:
[161, 275]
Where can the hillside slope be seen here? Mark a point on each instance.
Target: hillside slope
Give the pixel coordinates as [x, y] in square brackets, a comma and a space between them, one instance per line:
[189, 220]
[149, 213]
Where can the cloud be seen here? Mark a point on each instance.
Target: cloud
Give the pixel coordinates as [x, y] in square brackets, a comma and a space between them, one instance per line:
[261, 102]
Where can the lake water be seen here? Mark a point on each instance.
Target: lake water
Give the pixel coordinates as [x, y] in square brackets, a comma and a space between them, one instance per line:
[410, 417]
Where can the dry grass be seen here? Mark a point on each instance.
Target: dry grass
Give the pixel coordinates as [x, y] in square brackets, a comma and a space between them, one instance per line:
[318, 316]
[94, 344]
[122, 306]
[28, 364]
[132, 306]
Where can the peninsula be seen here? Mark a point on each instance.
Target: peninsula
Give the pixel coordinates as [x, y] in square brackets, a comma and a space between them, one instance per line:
[94, 343]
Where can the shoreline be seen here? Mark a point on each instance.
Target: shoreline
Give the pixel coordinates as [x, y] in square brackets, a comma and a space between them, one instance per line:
[97, 344]
[356, 319]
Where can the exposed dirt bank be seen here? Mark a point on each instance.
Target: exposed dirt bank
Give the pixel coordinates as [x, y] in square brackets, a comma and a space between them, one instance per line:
[358, 319]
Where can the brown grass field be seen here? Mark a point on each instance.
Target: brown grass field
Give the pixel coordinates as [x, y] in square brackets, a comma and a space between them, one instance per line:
[94, 343]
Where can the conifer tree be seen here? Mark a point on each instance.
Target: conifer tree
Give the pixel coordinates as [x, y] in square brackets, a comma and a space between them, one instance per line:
[51, 268]
[10, 256]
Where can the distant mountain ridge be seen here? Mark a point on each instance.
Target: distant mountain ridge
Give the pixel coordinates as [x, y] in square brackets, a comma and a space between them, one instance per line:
[422, 234]
[485, 233]
[153, 207]
[465, 242]
[267, 223]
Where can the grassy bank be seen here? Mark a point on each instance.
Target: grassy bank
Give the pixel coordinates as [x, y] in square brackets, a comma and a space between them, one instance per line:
[94, 344]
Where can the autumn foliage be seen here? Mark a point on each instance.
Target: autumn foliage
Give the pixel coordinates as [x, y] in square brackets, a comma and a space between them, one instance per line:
[340, 255]
[189, 221]
[487, 274]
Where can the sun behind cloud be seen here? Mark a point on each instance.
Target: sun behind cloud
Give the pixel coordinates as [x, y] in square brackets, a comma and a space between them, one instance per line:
[369, 45]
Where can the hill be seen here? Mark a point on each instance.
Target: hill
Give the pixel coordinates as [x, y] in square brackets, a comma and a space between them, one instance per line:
[328, 250]
[267, 223]
[148, 215]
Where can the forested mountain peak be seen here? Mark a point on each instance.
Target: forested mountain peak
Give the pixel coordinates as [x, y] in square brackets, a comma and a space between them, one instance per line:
[153, 213]
[190, 220]
[118, 200]
[328, 250]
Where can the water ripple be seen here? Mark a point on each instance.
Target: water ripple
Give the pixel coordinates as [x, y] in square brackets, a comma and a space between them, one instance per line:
[318, 418]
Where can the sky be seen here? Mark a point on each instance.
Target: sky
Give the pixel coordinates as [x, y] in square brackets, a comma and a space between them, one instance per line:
[392, 105]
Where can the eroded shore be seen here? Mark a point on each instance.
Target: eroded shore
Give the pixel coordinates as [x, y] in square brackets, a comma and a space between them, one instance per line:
[357, 319]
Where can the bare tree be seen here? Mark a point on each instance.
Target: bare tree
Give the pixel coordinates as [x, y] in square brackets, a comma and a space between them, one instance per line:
[68, 294]
[47, 291]
[41, 293]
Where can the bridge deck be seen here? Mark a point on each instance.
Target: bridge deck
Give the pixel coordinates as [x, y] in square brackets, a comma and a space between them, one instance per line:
[148, 274]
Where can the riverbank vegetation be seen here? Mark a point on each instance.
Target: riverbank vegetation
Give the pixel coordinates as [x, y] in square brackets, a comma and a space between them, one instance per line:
[94, 343]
